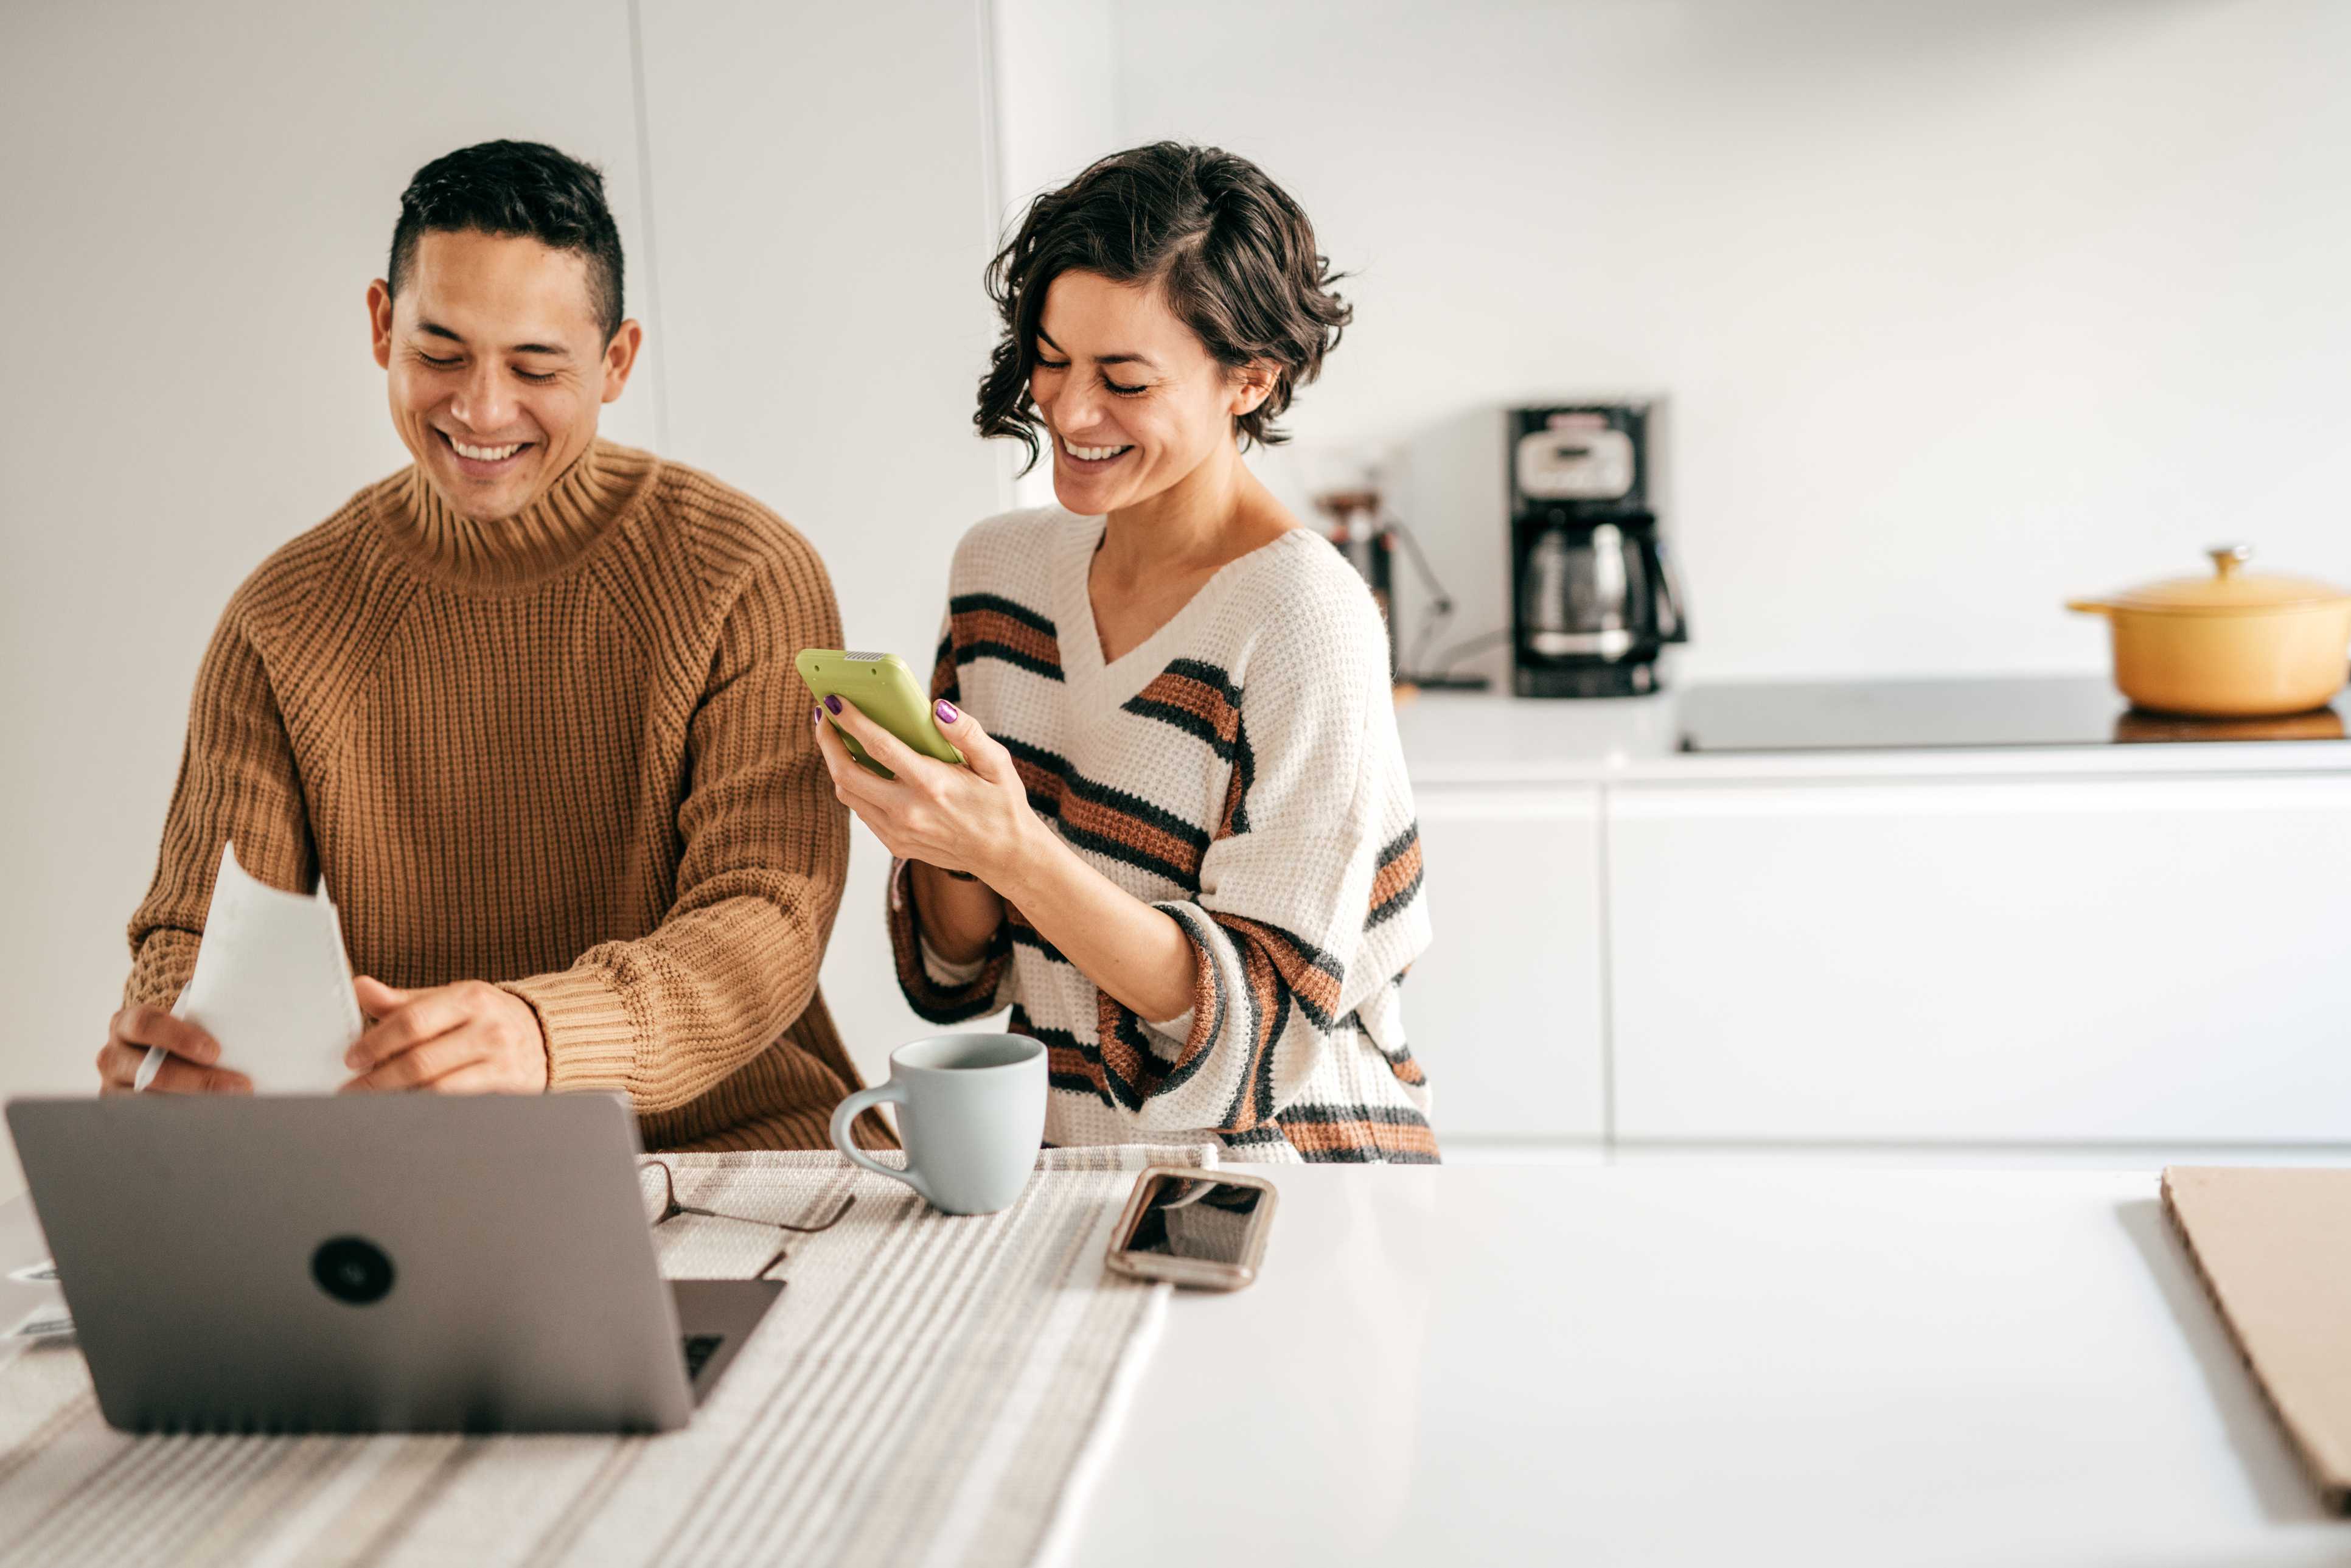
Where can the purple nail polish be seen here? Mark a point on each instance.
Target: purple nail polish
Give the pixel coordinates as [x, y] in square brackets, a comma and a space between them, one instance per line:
[947, 712]
[833, 704]
[816, 712]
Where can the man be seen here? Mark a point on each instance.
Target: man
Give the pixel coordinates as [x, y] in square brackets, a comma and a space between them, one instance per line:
[530, 708]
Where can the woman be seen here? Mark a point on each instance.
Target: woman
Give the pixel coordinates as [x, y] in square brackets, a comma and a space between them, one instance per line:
[1186, 856]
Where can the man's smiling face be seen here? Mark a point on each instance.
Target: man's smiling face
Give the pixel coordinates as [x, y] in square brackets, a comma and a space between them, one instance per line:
[496, 365]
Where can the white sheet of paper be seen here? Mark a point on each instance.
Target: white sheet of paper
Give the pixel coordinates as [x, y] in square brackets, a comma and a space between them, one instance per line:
[273, 985]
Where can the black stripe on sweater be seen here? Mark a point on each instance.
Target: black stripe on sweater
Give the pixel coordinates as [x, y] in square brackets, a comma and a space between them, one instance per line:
[1267, 1002]
[966, 603]
[1152, 702]
[1110, 822]
[1314, 977]
[1244, 775]
[1041, 655]
[1395, 881]
[1310, 1113]
[1199, 698]
[1219, 1006]
[1043, 772]
[1360, 1135]
[1058, 1041]
[1128, 1032]
[1029, 936]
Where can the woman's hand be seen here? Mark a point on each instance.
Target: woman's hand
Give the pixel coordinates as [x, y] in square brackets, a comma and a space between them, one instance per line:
[978, 819]
[974, 819]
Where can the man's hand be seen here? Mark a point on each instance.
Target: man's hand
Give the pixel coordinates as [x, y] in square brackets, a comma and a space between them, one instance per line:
[189, 1068]
[466, 1039]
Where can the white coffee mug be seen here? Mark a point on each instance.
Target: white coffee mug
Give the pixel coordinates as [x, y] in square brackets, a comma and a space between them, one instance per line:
[971, 1111]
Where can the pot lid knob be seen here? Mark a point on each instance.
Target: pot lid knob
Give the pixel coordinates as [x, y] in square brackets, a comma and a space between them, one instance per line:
[2228, 590]
[2227, 558]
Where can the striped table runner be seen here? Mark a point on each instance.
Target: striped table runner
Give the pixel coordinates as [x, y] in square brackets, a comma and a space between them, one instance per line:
[928, 1390]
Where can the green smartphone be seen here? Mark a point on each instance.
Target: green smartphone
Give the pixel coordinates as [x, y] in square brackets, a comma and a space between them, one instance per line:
[885, 690]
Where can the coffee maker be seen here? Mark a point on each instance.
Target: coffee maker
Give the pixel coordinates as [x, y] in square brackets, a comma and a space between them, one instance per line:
[1594, 601]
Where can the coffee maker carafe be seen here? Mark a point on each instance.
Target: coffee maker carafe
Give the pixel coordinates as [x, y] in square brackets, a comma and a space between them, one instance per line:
[1593, 597]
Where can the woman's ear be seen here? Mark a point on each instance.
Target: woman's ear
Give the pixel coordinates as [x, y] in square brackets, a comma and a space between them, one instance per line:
[1252, 384]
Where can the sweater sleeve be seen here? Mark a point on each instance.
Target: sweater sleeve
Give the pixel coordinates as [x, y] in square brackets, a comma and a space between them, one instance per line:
[237, 784]
[764, 854]
[1309, 908]
[940, 990]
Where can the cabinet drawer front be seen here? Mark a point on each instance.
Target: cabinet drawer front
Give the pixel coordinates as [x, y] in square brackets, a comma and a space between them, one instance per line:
[1504, 1009]
[2158, 960]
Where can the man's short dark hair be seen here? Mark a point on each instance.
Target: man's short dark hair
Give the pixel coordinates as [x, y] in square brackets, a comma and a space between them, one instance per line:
[516, 188]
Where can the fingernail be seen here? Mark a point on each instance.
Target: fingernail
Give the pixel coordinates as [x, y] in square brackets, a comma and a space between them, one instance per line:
[947, 712]
[833, 704]
[816, 712]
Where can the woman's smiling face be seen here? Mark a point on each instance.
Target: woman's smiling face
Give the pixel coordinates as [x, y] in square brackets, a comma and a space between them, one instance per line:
[1132, 400]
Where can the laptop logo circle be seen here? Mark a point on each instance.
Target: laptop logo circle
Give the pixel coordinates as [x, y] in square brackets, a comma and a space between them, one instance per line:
[352, 1269]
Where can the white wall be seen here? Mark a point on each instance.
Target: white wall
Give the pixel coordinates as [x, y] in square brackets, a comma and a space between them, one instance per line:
[196, 198]
[821, 204]
[1055, 86]
[1961, 308]
[1054, 72]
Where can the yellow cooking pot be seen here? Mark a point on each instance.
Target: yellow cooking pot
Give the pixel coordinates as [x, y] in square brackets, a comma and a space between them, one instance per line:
[2236, 644]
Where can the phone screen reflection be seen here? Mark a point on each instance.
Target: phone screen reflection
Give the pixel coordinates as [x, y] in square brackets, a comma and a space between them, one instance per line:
[1196, 1217]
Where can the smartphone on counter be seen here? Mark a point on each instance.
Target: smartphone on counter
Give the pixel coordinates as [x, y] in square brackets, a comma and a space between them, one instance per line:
[1193, 1227]
[885, 690]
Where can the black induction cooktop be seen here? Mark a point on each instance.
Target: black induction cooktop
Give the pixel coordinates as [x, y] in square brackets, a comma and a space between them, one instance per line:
[1874, 715]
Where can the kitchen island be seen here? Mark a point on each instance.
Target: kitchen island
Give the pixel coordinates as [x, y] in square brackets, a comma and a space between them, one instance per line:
[1678, 1365]
[1685, 1366]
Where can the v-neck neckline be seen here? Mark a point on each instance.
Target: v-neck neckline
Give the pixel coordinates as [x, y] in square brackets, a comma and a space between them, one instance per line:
[1115, 680]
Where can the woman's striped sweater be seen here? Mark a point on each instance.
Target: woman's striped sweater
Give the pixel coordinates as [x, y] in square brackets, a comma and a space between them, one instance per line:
[1241, 771]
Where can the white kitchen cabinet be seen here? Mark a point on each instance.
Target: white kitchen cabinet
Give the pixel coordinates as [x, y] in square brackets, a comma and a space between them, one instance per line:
[1504, 1012]
[2056, 960]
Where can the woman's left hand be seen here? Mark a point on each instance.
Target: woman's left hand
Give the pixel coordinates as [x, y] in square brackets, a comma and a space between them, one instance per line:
[974, 819]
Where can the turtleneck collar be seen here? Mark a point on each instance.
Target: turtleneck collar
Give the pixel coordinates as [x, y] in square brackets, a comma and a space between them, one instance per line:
[582, 505]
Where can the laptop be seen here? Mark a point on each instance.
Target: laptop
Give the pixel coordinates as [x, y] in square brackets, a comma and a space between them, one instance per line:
[371, 1263]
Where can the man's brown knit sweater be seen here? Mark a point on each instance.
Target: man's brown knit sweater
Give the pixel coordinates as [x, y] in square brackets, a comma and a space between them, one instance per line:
[566, 752]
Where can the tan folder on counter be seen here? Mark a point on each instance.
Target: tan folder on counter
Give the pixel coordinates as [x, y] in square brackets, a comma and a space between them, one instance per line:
[2275, 1249]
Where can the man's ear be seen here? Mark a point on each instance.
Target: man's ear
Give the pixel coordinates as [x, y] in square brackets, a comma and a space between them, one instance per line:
[621, 356]
[379, 298]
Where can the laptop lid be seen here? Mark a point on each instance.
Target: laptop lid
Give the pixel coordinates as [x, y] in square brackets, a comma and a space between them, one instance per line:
[357, 1263]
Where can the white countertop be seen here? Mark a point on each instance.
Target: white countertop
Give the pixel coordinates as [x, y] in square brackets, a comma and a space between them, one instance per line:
[1515, 1365]
[1471, 738]
[1534, 1365]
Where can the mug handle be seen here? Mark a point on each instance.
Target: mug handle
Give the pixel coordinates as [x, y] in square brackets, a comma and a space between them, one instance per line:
[893, 1094]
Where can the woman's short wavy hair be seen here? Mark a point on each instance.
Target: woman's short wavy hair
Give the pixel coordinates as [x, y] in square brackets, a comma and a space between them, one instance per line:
[1233, 255]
